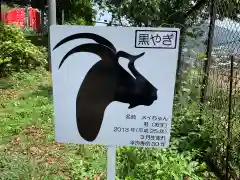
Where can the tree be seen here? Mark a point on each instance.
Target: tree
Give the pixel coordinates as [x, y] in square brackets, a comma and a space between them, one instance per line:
[75, 11]
[158, 12]
[154, 13]
[171, 13]
[16, 2]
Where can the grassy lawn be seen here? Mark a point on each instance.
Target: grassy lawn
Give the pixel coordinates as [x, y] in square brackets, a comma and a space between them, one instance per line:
[27, 143]
[28, 150]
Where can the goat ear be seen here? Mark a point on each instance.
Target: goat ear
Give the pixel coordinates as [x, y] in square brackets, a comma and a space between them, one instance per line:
[129, 56]
[140, 55]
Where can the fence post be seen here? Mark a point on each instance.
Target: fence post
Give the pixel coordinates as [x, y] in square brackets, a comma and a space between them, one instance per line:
[208, 61]
[229, 118]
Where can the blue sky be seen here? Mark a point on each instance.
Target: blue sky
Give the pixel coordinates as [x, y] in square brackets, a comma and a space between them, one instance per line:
[106, 16]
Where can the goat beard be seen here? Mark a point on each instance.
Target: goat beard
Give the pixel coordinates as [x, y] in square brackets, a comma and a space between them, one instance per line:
[131, 106]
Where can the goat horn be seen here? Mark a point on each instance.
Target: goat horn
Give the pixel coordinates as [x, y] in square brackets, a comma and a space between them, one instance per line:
[95, 37]
[101, 50]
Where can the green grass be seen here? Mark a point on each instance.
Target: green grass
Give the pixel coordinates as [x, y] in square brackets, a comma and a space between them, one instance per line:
[28, 149]
[27, 144]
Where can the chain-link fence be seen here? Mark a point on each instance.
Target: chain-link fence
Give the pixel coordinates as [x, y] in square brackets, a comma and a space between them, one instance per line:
[219, 76]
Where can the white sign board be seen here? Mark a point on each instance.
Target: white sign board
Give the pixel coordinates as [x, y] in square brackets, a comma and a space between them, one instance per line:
[113, 85]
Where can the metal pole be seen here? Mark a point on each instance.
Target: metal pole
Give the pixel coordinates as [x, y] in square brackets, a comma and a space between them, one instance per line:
[52, 14]
[229, 119]
[52, 20]
[111, 162]
[207, 63]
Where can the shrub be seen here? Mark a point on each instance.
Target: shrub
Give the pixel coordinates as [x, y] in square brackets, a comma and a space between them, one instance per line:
[162, 164]
[203, 127]
[27, 31]
[17, 53]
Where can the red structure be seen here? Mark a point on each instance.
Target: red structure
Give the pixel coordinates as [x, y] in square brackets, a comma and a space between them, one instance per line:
[34, 19]
[17, 16]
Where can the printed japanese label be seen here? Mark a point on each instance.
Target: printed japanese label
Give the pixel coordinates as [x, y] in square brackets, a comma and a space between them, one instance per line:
[154, 131]
[155, 39]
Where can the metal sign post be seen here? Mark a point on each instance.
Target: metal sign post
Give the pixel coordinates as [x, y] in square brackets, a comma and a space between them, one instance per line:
[111, 162]
[52, 20]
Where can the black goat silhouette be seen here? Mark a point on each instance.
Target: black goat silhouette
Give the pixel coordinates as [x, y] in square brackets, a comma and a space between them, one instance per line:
[105, 82]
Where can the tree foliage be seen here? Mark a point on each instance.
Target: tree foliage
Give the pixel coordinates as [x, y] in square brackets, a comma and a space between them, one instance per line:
[17, 53]
[174, 13]
[152, 13]
[158, 12]
[77, 11]
[21, 3]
